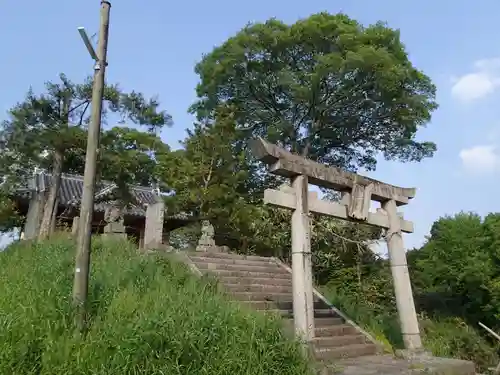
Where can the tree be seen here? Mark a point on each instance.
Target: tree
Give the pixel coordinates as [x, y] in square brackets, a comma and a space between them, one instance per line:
[130, 157]
[49, 129]
[457, 269]
[325, 87]
[209, 177]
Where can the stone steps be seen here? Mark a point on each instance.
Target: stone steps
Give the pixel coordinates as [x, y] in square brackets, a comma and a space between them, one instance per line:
[262, 297]
[280, 305]
[263, 268]
[258, 288]
[262, 284]
[250, 274]
[244, 262]
[335, 330]
[318, 313]
[215, 255]
[330, 354]
[232, 280]
[389, 365]
[338, 341]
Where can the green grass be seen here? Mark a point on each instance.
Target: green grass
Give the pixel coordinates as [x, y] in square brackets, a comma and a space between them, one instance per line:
[450, 337]
[148, 315]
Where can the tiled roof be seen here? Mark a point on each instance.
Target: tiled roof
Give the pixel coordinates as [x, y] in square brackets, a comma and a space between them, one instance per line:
[71, 189]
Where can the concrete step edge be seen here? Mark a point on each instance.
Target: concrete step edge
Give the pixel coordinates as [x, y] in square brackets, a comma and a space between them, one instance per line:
[338, 341]
[346, 351]
[236, 280]
[219, 255]
[246, 262]
[334, 330]
[241, 267]
[250, 274]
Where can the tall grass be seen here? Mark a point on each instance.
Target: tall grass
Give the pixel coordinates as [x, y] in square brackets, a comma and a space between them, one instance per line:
[443, 337]
[148, 315]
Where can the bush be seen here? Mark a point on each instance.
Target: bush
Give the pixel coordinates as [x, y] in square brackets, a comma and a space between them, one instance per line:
[452, 337]
[443, 337]
[148, 315]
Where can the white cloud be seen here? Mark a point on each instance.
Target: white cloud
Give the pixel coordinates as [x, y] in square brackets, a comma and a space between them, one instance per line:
[480, 159]
[483, 81]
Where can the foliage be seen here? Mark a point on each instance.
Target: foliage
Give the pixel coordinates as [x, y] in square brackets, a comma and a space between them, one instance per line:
[339, 244]
[130, 157]
[444, 337]
[326, 87]
[9, 217]
[48, 131]
[452, 337]
[148, 316]
[209, 174]
[211, 178]
[455, 282]
[457, 270]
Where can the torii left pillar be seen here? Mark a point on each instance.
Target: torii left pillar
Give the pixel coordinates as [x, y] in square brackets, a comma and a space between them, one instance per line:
[302, 280]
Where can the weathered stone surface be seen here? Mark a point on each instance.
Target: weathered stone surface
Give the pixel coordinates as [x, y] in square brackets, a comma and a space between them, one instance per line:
[359, 206]
[153, 232]
[286, 164]
[206, 242]
[115, 227]
[339, 346]
[389, 365]
[286, 200]
[75, 226]
[34, 216]
[115, 230]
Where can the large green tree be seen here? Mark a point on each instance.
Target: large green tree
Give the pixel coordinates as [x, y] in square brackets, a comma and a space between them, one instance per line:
[49, 129]
[210, 176]
[457, 271]
[326, 87]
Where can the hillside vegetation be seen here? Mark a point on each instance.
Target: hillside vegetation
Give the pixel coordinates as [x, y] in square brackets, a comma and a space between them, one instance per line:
[327, 87]
[148, 316]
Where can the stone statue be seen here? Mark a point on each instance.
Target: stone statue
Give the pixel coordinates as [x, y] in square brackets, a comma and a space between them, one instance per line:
[113, 214]
[207, 231]
[206, 240]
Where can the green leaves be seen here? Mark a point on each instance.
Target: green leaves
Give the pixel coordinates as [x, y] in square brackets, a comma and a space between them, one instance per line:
[56, 120]
[460, 263]
[325, 86]
[130, 156]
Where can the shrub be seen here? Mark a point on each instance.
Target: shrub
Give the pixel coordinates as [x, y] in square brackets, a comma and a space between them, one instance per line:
[148, 315]
[443, 337]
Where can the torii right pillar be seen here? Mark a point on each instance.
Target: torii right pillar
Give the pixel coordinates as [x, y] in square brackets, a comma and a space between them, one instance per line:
[401, 279]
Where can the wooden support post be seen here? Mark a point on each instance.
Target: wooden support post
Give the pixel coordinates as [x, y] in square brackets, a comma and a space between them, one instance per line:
[402, 286]
[302, 284]
[82, 261]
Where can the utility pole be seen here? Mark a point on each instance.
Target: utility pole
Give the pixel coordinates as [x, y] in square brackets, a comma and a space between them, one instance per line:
[82, 262]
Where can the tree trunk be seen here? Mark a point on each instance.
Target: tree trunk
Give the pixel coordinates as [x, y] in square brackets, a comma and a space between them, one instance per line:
[46, 225]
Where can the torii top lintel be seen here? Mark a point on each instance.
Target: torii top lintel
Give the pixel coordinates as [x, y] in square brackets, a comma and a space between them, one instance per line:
[286, 164]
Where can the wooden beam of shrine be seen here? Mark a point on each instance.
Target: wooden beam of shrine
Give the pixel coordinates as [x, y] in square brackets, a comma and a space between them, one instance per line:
[286, 164]
[286, 200]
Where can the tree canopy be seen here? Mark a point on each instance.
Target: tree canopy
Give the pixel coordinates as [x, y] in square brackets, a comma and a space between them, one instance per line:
[326, 87]
[49, 131]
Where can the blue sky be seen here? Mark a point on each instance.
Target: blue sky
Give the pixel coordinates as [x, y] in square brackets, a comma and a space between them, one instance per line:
[153, 49]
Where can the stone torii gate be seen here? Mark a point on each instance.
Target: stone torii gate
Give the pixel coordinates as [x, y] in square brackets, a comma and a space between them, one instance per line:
[357, 194]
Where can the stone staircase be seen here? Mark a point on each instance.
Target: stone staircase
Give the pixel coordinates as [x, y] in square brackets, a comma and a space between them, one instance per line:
[339, 345]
